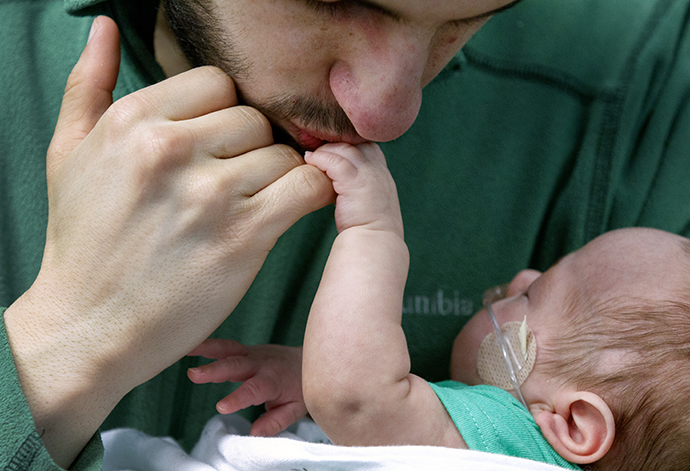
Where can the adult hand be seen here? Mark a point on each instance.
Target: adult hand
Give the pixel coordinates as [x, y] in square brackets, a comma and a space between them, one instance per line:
[162, 208]
[270, 375]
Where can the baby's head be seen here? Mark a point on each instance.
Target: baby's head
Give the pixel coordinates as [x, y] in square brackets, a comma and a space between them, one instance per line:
[611, 381]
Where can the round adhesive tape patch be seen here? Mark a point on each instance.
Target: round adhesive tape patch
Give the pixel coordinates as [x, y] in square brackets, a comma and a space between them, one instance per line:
[491, 365]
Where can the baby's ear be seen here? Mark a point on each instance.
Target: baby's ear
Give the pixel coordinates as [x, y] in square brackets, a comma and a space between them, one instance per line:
[581, 428]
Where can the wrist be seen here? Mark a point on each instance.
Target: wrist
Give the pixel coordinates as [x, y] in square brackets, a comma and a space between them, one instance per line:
[65, 392]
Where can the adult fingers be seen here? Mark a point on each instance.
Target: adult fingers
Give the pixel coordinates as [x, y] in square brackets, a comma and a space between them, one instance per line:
[188, 95]
[89, 90]
[278, 186]
[229, 132]
[281, 187]
[251, 172]
[300, 191]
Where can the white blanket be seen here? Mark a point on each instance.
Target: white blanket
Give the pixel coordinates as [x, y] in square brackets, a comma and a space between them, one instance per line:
[225, 446]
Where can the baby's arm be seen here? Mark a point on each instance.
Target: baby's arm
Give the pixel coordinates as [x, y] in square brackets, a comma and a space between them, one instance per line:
[356, 368]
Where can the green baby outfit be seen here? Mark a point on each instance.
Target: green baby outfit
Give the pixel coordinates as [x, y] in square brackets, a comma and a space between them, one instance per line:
[492, 420]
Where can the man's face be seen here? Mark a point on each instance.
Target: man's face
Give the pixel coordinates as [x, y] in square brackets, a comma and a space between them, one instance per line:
[331, 70]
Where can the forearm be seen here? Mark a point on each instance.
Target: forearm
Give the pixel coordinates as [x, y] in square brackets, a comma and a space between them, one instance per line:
[355, 353]
[68, 397]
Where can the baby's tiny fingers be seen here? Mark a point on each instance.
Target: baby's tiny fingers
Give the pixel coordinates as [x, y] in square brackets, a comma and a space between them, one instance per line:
[218, 348]
[234, 368]
[248, 394]
[335, 165]
[278, 419]
[229, 405]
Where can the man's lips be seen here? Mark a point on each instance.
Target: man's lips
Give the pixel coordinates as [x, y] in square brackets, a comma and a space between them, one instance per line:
[311, 140]
[308, 140]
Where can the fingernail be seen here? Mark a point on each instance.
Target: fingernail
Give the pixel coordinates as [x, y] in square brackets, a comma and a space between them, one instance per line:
[94, 28]
[307, 154]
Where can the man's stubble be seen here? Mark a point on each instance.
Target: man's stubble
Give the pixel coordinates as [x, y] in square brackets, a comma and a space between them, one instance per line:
[203, 41]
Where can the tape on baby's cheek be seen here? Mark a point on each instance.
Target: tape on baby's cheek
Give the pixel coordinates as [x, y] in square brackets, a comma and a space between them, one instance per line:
[491, 366]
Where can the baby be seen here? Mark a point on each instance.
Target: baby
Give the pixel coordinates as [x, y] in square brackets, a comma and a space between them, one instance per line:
[595, 371]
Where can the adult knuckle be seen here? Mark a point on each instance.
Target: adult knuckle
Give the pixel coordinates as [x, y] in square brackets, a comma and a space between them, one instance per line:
[288, 155]
[128, 110]
[161, 142]
[216, 74]
[159, 149]
[219, 81]
[304, 185]
[209, 191]
[292, 200]
[255, 123]
[74, 81]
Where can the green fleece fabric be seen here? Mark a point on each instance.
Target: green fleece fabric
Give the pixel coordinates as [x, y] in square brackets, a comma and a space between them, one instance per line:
[490, 419]
[558, 121]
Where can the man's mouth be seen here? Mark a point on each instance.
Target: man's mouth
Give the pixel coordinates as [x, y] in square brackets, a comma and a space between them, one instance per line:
[310, 139]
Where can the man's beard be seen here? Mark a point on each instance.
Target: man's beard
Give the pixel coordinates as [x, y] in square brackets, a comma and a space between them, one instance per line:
[203, 42]
[201, 38]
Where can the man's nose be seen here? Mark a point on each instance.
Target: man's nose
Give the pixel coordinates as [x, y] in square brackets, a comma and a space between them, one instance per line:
[379, 88]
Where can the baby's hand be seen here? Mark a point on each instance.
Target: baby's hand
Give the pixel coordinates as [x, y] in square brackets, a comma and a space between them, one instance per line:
[367, 195]
[270, 375]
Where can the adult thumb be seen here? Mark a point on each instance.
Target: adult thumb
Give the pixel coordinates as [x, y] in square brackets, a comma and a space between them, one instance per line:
[89, 90]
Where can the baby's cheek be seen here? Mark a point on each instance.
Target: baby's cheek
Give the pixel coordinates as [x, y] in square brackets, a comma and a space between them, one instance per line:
[463, 362]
